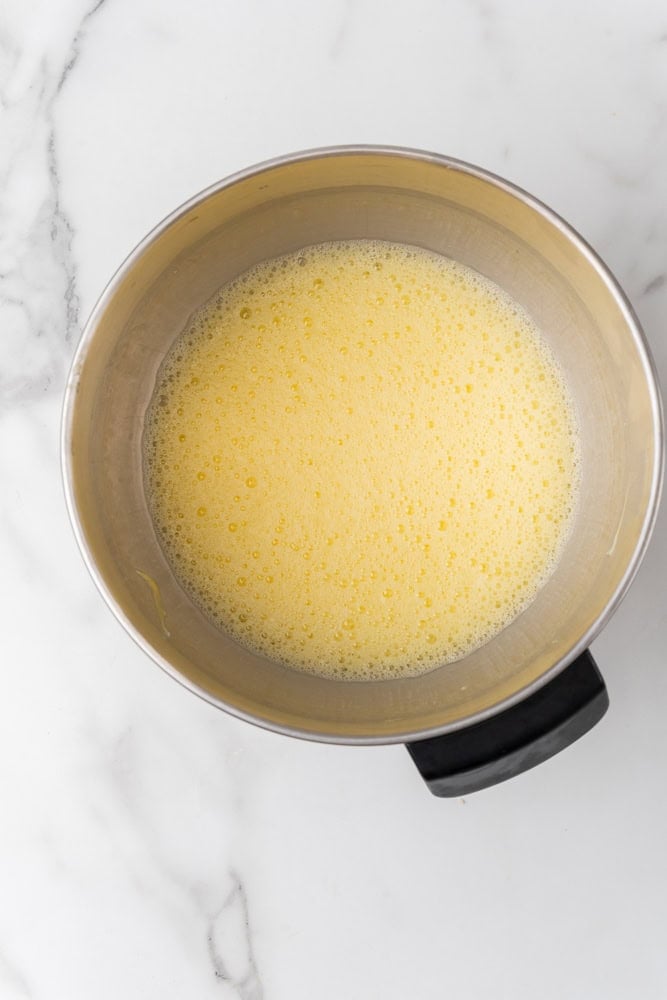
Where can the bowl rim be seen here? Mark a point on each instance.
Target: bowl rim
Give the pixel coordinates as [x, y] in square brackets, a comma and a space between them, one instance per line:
[448, 163]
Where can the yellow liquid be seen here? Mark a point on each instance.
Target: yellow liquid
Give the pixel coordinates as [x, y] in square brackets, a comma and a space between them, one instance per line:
[361, 460]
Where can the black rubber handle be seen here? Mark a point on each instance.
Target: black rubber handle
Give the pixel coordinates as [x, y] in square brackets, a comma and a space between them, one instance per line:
[516, 739]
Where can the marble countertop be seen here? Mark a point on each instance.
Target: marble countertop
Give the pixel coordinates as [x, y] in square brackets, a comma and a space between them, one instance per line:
[150, 845]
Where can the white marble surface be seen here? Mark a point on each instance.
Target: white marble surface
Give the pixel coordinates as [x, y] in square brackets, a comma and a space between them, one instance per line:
[150, 846]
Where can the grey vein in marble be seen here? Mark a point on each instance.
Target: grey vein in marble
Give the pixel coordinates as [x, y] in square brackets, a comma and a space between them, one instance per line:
[342, 32]
[39, 305]
[655, 284]
[230, 944]
[12, 978]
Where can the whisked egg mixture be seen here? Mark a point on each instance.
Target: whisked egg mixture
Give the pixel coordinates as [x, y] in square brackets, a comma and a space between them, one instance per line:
[361, 460]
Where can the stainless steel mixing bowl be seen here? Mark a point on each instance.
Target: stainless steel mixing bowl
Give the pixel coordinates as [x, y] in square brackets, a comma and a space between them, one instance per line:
[409, 197]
